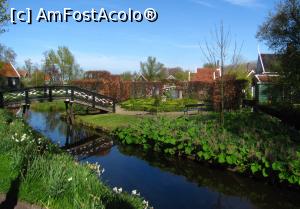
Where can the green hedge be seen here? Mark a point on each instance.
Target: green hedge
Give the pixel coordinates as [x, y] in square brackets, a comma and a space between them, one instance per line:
[249, 143]
[152, 104]
[49, 177]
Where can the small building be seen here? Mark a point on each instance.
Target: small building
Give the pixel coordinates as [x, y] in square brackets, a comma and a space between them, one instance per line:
[9, 76]
[265, 76]
[23, 74]
[206, 75]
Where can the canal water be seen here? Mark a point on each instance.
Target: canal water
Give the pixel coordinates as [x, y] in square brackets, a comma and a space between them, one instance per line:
[166, 182]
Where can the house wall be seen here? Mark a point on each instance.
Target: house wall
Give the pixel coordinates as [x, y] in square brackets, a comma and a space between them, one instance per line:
[9, 83]
[265, 93]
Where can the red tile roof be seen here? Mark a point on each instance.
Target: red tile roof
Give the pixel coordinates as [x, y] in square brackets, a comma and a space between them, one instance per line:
[204, 75]
[22, 73]
[7, 70]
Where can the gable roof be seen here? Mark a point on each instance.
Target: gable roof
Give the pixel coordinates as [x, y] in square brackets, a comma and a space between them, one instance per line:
[141, 77]
[171, 77]
[267, 61]
[23, 73]
[266, 78]
[8, 70]
[205, 75]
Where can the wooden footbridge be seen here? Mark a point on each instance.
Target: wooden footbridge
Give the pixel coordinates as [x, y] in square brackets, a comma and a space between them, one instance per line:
[18, 97]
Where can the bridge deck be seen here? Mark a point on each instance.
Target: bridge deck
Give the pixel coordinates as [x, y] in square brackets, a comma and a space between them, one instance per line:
[14, 98]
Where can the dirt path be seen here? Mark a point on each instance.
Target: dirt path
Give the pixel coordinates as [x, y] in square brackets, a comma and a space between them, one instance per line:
[19, 205]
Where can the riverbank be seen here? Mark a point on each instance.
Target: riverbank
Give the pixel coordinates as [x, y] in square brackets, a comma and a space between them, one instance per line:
[34, 170]
[254, 144]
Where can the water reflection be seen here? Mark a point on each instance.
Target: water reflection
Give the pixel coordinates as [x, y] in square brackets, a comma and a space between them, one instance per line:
[224, 182]
[165, 181]
[80, 142]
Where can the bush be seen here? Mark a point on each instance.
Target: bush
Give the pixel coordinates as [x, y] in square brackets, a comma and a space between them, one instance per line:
[249, 143]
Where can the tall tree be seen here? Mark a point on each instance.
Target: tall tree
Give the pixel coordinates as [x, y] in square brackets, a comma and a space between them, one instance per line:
[64, 61]
[29, 66]
[7, 54]
[4, 16]
[152, 69]
[127, 76]
[219, 52]
[281, 32]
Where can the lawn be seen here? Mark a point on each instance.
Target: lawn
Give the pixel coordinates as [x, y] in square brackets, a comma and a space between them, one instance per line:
[153, 105]
[109, 121]
[56, 106]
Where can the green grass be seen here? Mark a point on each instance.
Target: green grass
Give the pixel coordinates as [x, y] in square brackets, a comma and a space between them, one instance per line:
[5, 173]
[251, 143]
[48, 176]
[108, 121]
[150, 104]
[58, 106]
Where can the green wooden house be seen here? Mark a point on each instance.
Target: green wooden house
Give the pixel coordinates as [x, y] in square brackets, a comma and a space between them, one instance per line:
[264, 77]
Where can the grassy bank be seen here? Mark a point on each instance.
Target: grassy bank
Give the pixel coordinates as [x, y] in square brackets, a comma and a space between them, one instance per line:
[108, 121]
[151, 104]
[40, 173]
[250, 143]
[56, 106]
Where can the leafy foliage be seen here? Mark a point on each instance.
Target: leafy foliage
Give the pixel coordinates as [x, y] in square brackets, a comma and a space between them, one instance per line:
[281, 32]
[4, 16]
[152, 69]
[255, 144]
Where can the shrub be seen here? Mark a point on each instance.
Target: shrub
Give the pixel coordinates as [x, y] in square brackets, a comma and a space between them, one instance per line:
[251, 143]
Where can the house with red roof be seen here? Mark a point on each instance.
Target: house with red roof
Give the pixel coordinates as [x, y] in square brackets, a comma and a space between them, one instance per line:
[9, 76]
[206, 75]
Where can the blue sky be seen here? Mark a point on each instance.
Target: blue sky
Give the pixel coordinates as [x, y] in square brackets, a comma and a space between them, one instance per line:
[175, 38]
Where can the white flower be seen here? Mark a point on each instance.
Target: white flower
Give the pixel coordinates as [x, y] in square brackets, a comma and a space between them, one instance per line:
[146, 203]
[115, 189]
[134, 192]
[70, 179]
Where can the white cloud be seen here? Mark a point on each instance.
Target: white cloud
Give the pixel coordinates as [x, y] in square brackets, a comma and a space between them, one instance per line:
[203, 3]
[247, 3]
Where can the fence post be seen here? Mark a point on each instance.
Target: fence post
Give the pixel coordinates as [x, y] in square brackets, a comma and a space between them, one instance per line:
[114, 106]
[1, 100]
[50, 94]
[94, 101]
[72, 94]
[27, 101]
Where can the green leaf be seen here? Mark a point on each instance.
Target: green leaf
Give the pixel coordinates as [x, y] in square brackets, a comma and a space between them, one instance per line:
[222, 158]
[255, 167]
[277, 166]
[264, 172]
